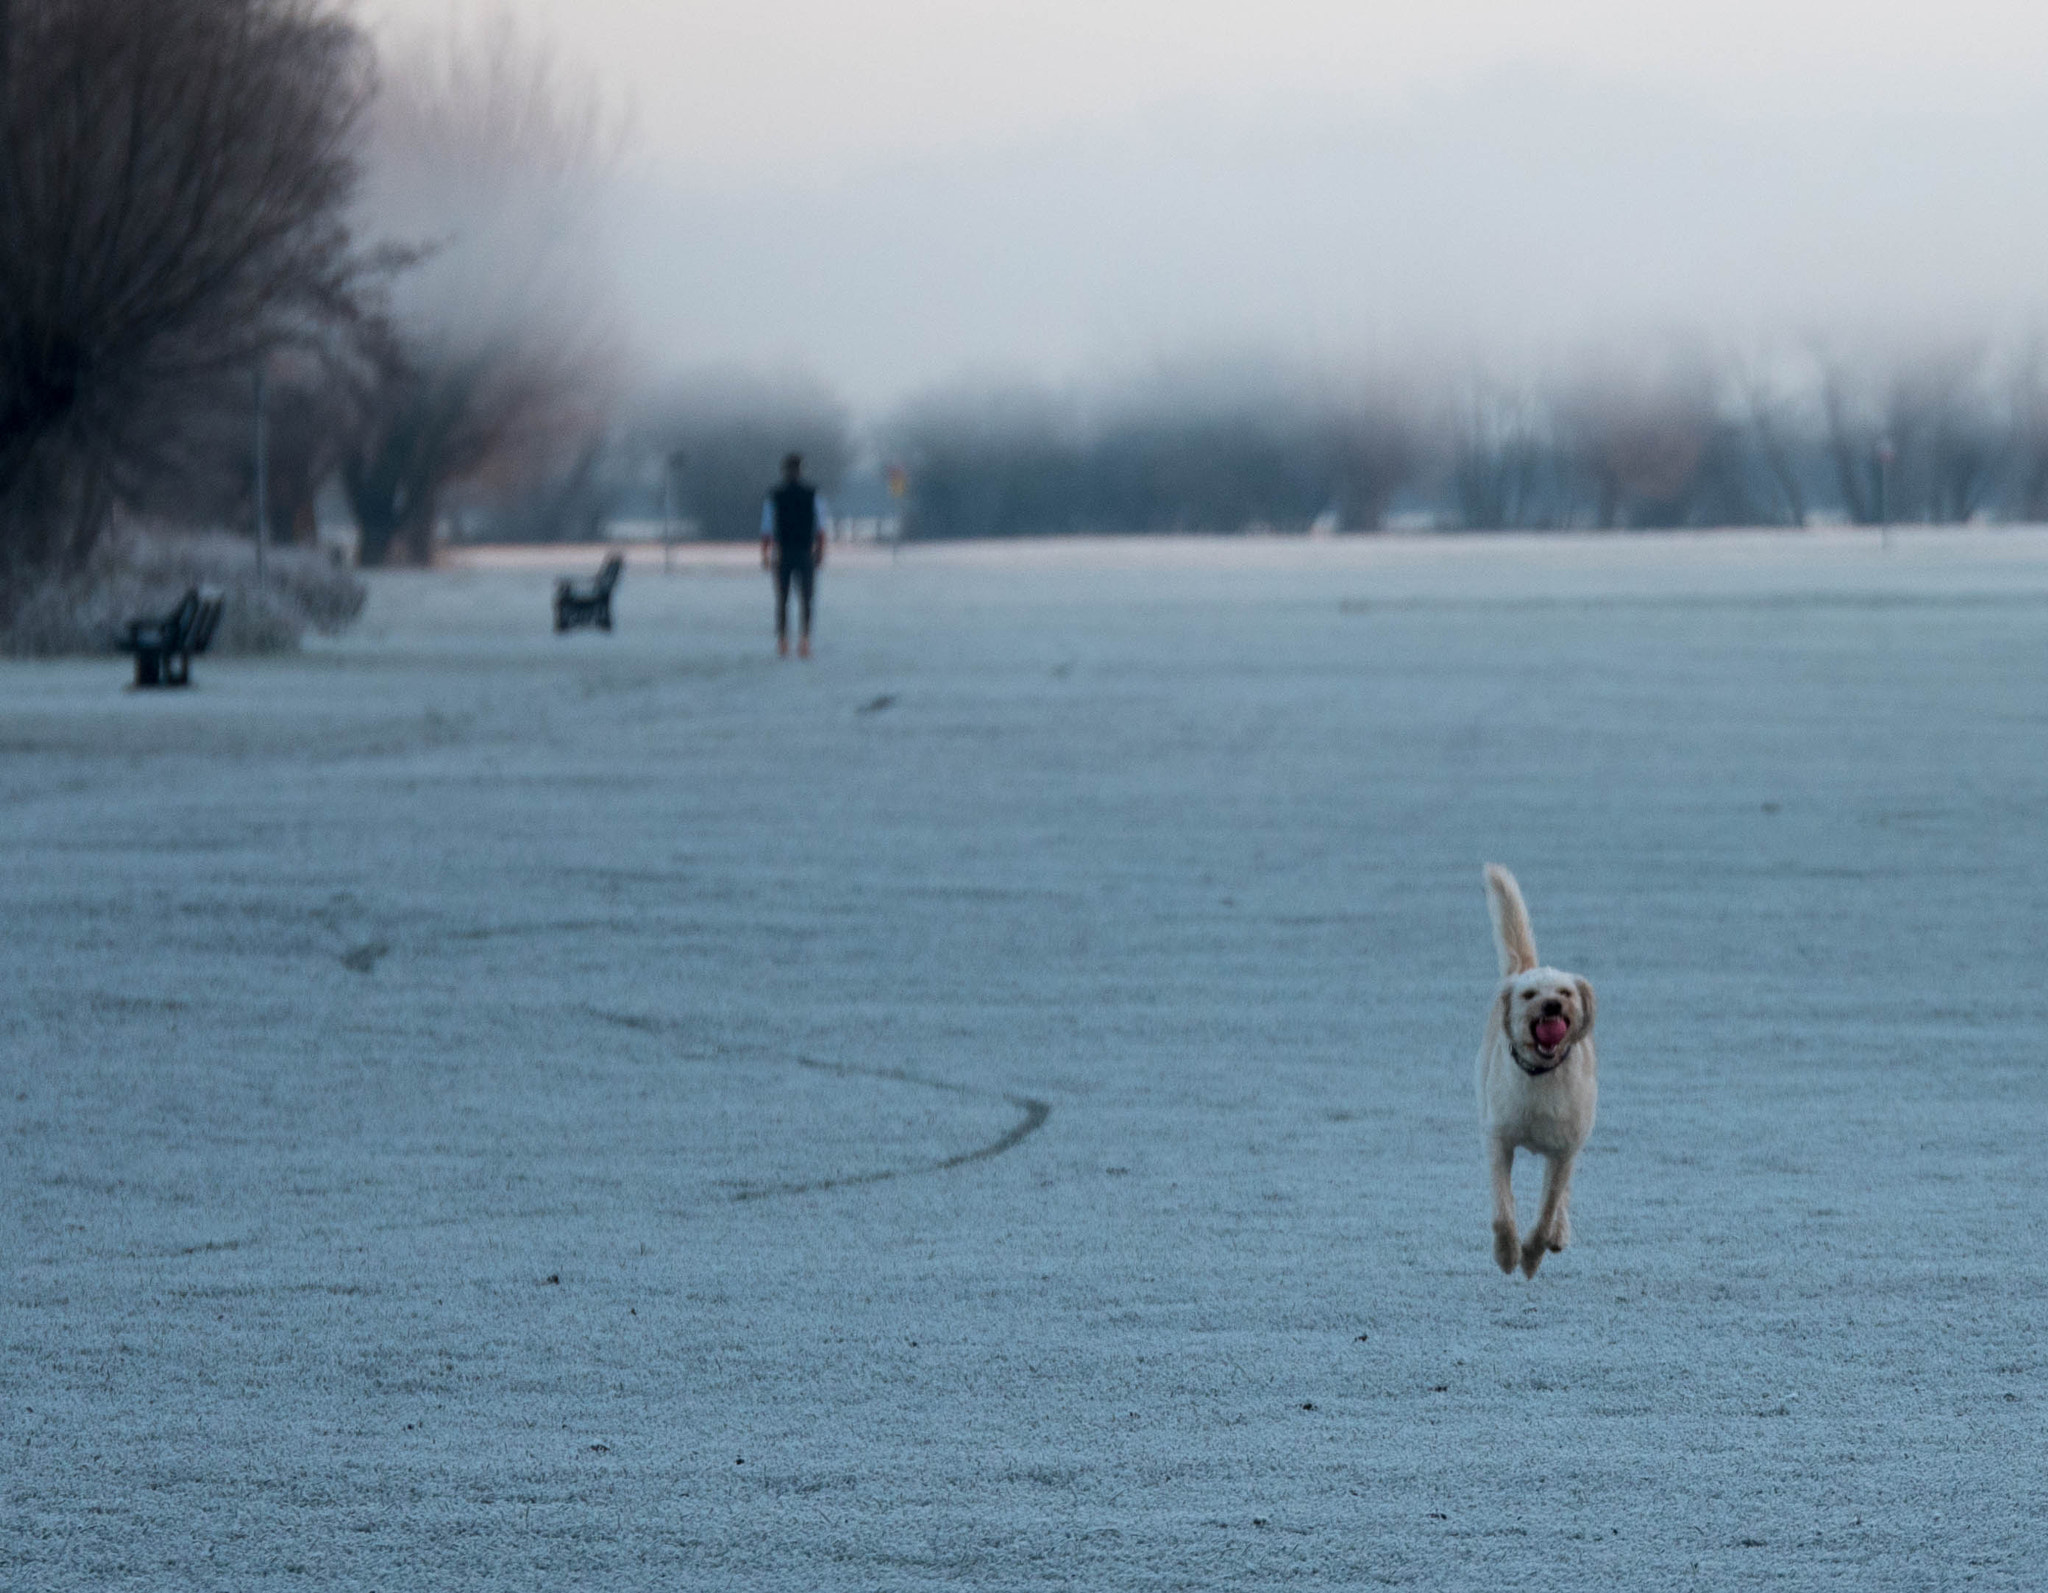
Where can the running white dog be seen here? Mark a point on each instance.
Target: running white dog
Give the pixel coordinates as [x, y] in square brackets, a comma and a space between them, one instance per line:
[1536, 1078]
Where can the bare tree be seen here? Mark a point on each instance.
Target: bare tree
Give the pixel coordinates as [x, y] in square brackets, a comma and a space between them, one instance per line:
[1369, 451]
[498, 416]
[174, 176]
[1506, 461]
[308, 400]
[1772, 400]
[984, 460]
[1853, 434]
[1943, 405]
[310, 415]
[1914, 434]
[1641, 430]
[2028, 407]
[1216, 445]
[170, 186]
[504, 366]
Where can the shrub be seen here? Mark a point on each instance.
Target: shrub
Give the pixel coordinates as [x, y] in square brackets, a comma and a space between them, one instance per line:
[136, 571]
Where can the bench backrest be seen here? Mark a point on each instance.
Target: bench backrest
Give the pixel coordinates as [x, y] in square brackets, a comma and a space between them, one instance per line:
[608, 574]
[207, 616]
[177, 624]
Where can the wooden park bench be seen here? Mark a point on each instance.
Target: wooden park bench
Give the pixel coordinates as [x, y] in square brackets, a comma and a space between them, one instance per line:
[588, 605]
[164, 648]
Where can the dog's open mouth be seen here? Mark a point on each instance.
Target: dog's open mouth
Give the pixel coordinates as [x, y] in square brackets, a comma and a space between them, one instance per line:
[1549, 1033]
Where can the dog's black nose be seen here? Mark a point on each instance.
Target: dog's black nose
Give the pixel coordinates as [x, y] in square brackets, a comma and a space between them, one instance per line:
[1552, 1008]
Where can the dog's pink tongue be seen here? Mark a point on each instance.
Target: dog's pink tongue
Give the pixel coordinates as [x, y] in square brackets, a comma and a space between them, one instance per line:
[1550, 1031]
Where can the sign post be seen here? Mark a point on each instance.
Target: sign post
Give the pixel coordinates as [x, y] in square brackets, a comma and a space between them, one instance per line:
[899, 490]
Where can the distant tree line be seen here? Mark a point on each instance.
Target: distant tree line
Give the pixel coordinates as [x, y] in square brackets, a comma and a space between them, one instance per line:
[1197, 452]
[1786, 435]
[1790, 434]
[721, 437]
[696, 453]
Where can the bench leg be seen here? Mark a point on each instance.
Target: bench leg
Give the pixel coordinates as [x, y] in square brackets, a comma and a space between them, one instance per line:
[178, 669]
[148, 667]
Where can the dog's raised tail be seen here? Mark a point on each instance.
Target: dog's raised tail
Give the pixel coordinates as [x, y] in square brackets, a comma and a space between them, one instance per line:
[1511, 932]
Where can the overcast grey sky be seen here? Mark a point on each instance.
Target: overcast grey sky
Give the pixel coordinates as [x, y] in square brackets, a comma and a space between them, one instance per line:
[897, 192]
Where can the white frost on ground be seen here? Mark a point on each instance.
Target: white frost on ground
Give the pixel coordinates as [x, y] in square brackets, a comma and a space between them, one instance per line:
[354, 999]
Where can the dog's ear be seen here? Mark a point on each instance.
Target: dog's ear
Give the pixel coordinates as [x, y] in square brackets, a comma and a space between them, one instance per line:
[1585, 1006]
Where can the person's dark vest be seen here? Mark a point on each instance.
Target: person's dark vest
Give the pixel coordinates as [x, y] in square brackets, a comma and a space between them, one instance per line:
[796, 520]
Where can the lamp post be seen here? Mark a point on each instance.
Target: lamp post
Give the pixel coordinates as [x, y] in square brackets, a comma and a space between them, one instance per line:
[1885, 455]
[671, 504]
[262, 471]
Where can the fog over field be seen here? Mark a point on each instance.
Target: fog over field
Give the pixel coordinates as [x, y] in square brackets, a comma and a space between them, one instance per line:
[1730, 266]
[1524, 216]
[894, 196]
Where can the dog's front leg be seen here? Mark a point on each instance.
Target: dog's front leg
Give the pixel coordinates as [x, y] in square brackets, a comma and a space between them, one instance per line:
[1553, 1230]
[1507, 1249]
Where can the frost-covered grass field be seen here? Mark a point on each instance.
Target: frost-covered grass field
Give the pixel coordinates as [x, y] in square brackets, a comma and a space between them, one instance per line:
[485, 1109]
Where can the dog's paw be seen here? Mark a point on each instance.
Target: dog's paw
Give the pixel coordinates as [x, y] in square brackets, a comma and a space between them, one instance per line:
[1507, 1249]
[1540, 1243]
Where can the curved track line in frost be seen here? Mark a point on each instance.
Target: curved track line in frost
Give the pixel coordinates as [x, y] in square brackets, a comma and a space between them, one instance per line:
[1035, 1113]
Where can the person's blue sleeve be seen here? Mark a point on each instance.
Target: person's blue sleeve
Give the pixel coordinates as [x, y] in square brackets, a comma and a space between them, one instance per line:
[767, 517]
[821, 515]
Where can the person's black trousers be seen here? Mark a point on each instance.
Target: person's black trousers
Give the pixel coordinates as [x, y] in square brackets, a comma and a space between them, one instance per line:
[805, 577]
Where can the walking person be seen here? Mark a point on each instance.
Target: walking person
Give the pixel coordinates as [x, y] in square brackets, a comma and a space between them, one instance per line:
[793, 525]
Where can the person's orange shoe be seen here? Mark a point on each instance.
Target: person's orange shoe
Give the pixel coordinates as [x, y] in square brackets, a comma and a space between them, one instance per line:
[803, 647]
[782, 646]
